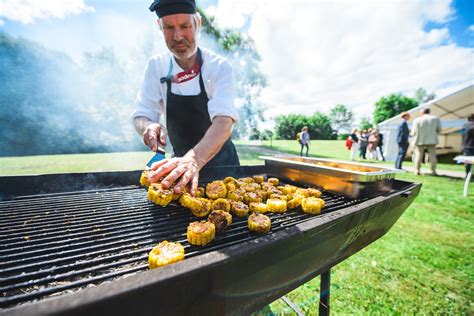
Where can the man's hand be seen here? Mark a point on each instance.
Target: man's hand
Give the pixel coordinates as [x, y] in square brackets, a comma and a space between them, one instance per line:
[186, 169]
[154, 136]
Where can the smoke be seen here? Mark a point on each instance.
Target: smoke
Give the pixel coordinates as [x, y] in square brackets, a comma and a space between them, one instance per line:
[52, 104]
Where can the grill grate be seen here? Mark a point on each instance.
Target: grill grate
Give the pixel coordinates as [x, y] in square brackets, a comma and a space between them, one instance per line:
[67, 241]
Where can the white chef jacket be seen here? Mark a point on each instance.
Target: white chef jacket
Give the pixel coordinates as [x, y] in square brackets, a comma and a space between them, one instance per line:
[217, 76]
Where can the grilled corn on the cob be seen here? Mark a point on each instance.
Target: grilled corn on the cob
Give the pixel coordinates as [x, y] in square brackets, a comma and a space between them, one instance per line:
[276, 206]
[259, 223]
[258, 178]
[216, 189]
[295, 202]
[201, 233]
[200, 192]
[311, 205]
[221, 204]
[258, 207]
[158, 195]
[251, 197]
[239, 209]
[165, 253]
[144, 178]
[273, 181]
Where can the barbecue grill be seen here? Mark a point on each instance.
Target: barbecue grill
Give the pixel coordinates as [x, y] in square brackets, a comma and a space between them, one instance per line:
[77, 244]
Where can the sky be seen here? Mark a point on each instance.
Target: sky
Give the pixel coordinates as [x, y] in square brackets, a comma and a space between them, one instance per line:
[315, 54]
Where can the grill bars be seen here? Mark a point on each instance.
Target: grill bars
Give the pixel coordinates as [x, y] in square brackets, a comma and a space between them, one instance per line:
[67, 241]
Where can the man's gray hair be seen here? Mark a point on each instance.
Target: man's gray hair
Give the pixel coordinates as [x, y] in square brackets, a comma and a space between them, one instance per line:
[196, 17]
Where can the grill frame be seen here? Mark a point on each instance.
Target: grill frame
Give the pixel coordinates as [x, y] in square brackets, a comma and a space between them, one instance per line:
[229, 280]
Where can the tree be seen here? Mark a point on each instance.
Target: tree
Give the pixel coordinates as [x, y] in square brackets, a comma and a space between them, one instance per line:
[422, 96]
[319, 125]
[341, 118]
[365, 123]
[254, 134]
[392, 105]
[267, 134]
[287, 126]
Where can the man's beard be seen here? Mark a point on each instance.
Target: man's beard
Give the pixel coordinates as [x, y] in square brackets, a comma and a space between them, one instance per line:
[185, 50]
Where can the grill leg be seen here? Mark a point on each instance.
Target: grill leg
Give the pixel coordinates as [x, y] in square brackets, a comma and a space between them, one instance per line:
[468, 180]
[324, 293]
[292, 305]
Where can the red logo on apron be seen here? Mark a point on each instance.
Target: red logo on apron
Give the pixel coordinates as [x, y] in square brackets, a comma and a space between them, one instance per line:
[186, 75]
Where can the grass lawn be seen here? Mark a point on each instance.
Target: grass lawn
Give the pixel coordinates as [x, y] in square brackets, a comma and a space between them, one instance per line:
[94, 162]
[336, 149]
[423, 265]
[248, 153]
[73, 163]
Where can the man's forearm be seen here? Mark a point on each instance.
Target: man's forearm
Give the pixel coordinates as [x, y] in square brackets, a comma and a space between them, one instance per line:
[212, 142]
[141, 123]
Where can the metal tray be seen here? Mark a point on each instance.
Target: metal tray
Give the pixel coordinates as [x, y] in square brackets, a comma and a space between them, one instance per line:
[355, 180]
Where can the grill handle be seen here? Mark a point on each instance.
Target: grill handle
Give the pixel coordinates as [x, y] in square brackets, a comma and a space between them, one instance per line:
[407, 194]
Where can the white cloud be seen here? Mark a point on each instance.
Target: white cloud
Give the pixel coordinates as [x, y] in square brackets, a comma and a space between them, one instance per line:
[316, 54]
[471, 28]
[437, 36]
[27, 11]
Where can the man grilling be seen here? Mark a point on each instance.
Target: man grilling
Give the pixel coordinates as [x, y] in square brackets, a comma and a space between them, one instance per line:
[193, 89]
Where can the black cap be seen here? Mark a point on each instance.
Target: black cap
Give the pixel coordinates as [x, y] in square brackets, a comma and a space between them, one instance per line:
[168, 7]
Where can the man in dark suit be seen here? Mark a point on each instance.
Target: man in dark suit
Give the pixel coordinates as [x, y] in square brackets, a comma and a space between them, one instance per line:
[468, 139]
[402, 140]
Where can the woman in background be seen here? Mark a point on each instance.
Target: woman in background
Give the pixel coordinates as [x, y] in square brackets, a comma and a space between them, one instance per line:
[373, 143]
[355, 143]
[363, 142]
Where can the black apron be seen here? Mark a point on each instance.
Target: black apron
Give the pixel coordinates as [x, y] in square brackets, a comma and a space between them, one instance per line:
[187, 120]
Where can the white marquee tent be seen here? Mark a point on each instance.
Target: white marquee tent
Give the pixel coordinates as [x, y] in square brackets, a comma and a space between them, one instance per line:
[453, 111]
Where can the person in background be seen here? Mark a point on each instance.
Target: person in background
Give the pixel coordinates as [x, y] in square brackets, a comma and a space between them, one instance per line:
[304, 140]
[425, 132]
[192, 88]
[468, 139]
[373, 142]
[380, 145]
[402, 140]
[363, 142]
[355, 143]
